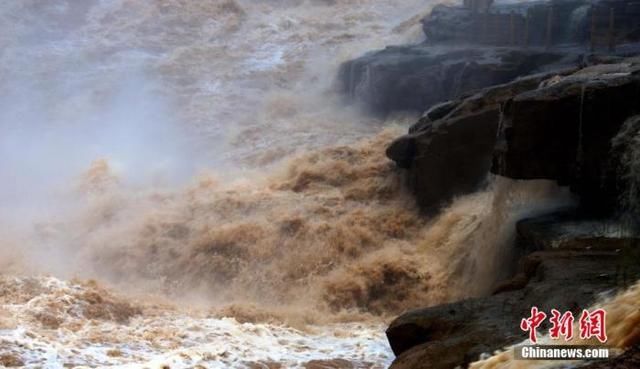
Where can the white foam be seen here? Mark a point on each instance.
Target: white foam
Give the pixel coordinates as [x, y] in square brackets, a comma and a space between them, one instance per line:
[176, 339]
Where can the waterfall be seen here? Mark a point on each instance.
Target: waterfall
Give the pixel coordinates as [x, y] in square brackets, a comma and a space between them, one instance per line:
[577, 30]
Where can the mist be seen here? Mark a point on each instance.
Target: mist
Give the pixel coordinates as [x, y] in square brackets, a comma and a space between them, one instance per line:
[158, 94]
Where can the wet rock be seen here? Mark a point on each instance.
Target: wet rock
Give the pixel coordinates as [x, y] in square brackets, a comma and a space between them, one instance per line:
[506, 23]
[625, 150]
[563, 131]
[449, 153]
[451, 157]
[526, 23]
[440, 110]
[455, 334]
[415, 77]
[555, 125]
[448, 23]
[626, 17]
[567, 231]
[569, 262]
[630, 359]
[402, 150]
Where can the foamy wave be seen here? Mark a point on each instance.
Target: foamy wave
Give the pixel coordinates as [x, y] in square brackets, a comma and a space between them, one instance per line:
[159, 336]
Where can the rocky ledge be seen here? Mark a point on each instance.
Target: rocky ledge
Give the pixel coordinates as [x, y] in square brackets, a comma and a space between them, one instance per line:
[449, 150]
[558, 125]
[568, 263]
[564, 131]
[412, 77]
[578, 127]
[517, 90]
[468, 48]
[536, 22]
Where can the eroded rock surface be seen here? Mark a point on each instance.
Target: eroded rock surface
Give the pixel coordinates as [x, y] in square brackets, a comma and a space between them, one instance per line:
[556, 125]
[565, 279]
[567, 231]
[449, 150]
[527, 23]
[564, 131]
[414, 77]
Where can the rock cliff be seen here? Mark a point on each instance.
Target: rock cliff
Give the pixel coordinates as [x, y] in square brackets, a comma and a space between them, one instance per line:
[417, 76]
[536, 90]
[568, 262]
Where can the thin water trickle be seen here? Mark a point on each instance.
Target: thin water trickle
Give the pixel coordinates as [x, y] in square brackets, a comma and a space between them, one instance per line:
[626, 144]
[577, 23]
[458, 81]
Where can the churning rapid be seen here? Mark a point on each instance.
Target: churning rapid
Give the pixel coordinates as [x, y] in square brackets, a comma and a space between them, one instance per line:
[192, 157]
[147, 140]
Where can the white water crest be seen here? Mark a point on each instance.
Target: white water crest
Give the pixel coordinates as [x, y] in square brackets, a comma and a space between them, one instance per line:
[48, 323]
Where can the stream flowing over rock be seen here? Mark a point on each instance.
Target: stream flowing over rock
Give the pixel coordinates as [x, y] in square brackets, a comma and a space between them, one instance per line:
[533, 23]
[564, 131]
[414, 77]
[557, 125]
[448, 151]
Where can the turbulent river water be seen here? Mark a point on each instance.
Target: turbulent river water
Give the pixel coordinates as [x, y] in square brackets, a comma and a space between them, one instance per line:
[181, 187]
